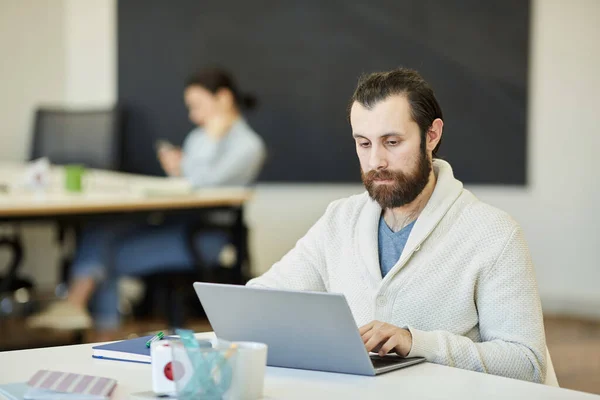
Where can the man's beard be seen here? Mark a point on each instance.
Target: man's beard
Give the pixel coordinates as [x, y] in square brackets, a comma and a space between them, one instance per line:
[405, 188]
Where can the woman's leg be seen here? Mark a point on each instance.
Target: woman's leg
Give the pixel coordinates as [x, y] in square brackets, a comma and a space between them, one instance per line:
[110, 251]
[91, 262]
[91, 267]
[167, 248]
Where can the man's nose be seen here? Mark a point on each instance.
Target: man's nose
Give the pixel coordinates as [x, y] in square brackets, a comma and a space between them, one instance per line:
[377, 159]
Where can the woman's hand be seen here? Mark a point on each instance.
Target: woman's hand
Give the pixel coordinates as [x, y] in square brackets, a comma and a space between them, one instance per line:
[170, 160]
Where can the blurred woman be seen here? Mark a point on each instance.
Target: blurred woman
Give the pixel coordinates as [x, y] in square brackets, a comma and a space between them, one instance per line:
[223, 150]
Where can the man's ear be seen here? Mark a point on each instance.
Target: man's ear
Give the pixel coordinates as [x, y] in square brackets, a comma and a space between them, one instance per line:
[434, 135]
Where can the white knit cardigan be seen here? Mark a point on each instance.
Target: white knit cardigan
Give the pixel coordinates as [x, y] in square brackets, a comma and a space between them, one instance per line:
[464, 285]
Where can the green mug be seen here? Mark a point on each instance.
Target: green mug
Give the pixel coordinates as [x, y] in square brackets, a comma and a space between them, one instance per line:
[74, 177]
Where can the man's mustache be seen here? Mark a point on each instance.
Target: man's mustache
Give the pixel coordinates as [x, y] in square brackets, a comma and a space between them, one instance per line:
[382, 174]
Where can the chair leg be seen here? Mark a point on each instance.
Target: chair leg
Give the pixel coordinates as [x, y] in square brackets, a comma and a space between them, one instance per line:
[240, 241]
[175, 307]
[15, 244]
[66, 257]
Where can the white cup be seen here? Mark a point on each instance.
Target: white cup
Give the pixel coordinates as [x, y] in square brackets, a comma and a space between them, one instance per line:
[248, 372]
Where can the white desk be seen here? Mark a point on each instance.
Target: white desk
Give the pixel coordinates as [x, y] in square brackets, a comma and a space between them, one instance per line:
[423, 381]
[107, 192]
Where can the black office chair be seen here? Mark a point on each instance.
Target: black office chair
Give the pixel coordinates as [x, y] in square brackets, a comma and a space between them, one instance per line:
[91, 137]
[171, 293]
[11, 282]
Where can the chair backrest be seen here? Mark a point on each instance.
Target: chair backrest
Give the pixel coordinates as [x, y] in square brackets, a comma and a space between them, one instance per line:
[551, 379]
[229, 220]
[89, 137]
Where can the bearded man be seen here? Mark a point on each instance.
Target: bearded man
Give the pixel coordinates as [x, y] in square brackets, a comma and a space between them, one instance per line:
[427, 269]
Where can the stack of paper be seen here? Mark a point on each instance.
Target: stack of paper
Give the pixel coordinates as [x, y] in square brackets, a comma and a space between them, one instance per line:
[158, 187]
[50, 385]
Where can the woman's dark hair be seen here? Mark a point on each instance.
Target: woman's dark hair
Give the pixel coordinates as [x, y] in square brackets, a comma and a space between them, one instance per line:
[214, 78]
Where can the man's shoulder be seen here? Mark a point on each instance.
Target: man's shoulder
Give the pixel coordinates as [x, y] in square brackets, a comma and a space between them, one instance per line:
[348, 206]
[486, 216]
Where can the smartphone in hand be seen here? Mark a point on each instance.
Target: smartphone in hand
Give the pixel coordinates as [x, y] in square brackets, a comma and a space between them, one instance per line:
[162, 144]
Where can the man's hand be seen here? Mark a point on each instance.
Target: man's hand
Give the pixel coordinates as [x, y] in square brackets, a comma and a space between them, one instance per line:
[383, 338]
[170, 160]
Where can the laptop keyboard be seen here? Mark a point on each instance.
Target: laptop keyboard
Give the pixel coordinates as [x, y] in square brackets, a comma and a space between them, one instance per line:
[379, 362]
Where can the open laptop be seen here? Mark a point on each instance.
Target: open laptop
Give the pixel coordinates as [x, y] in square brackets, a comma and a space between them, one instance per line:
[305, 330]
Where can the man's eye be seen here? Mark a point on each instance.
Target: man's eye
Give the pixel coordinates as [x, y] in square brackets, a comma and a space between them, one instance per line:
[364, 144]
[393, 142]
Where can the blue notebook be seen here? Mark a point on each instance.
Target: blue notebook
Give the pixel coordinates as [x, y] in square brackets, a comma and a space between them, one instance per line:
[133, 350]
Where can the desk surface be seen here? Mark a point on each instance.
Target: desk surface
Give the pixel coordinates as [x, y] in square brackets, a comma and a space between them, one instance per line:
[107, 192]
[423, 381]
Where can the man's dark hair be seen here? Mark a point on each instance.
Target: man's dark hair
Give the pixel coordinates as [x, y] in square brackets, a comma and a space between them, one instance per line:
[215, 78]
[378, 86]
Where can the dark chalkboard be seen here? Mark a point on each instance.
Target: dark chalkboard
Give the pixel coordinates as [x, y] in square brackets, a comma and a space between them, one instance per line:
[302, 59]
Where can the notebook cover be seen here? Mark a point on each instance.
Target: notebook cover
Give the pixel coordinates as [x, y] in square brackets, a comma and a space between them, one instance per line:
[124, 349]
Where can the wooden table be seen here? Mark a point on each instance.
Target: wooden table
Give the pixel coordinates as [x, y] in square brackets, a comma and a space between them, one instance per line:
[105, 194]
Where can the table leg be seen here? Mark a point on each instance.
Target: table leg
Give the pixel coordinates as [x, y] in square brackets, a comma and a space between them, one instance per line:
[16, 246]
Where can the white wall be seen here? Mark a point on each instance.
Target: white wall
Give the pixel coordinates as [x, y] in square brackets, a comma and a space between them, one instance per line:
[91, 56]
[53, 52]
[32, 67]
[33, 72]
[559, 208]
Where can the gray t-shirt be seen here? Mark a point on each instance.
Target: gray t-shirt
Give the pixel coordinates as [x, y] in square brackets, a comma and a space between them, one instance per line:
[234, 160]
[391, 245]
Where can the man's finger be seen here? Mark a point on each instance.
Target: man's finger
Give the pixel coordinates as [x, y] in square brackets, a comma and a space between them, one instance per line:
[366, 327]
[375, 349]
[388, 346]
[375, 340]
[389, 330]
[367, 335]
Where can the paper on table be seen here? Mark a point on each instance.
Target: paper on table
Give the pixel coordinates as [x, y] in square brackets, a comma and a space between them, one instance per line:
[158, 187]
[37, 174]
[64, 385]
